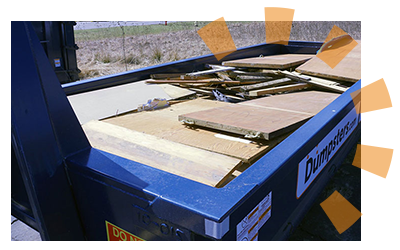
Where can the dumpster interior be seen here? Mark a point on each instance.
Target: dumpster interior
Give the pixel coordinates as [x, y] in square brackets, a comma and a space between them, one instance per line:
[211, 125]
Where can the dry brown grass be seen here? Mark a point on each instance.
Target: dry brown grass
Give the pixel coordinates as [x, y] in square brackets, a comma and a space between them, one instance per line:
[106, 56]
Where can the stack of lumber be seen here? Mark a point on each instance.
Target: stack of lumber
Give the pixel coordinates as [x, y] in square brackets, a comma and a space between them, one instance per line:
[240, 133]
[158, 139]
[250, 78]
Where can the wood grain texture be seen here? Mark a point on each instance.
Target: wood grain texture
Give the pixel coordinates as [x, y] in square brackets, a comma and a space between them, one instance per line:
[349, 69]
[310, 102]
[268, 117]
[164, 124]
[284, 61]
[189, 162]
[257, 122]
[265, 84]
[280, 89]
[316, 81]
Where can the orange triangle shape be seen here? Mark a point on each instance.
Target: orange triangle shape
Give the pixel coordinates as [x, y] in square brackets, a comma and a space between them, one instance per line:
[220, 19]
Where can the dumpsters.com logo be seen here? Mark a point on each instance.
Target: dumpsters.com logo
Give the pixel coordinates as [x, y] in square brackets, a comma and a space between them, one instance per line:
[337, 45]
[318, 158]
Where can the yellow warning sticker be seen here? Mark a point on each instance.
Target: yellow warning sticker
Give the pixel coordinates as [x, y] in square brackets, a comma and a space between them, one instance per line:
[247, 229]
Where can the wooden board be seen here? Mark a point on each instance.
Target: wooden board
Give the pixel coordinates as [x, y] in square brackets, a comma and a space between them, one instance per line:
[316, 81]
[309, 102]
[257, 122]
[349, 69]
[164, 124]
[280, 89]
[266, 117]
[265, 84]
[99, 104]
[284, 61]
[189, 162]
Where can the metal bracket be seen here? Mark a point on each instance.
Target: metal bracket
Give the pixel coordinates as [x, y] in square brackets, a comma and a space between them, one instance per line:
[188, 122]
[253, 135]
[215, 229]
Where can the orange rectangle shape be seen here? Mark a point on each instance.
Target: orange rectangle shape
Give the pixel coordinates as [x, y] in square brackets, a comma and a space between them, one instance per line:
[265, 212]
[115, 233]
[255, 210]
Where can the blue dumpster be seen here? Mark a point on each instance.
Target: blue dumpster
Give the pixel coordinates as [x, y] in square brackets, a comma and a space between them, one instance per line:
[68, 190]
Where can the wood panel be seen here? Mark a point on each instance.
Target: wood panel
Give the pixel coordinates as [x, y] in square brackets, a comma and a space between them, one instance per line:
[196, 164]
[280, 89]
[349, 69]
[266, 117]
[99, 104]
[310, 102]
[253, 122]
[316, 81]
[164, 124]
[284, 61]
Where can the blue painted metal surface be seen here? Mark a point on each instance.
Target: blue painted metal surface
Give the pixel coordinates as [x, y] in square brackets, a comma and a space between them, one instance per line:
[44, 131]
[188, 65]
[147, 202]
[139, 198]
[58, 41]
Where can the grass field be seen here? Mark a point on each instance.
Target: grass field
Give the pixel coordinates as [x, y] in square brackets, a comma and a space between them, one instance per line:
[112, 50]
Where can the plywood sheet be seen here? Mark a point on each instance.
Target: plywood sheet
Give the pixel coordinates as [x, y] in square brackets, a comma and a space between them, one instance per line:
[309, 102]
[250, 121]
[196, 164]
[284, 61]
[164, 124]
[349, 69]
[99, 104]
[267, 117]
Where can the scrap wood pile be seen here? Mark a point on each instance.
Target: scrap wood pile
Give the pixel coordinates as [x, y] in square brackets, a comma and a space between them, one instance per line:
[255, 84]
[239, 80]
[213, 142]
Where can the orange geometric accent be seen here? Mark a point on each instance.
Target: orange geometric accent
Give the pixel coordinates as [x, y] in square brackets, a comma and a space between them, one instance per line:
[278, 24]
[340, 211]
[375, 160]
[278, 14]
[336, 47]
[334, 32]
[218, 39]
[356, 97]
[375, 96]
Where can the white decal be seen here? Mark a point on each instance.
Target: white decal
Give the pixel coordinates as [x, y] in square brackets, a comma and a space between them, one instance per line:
[318, 158]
